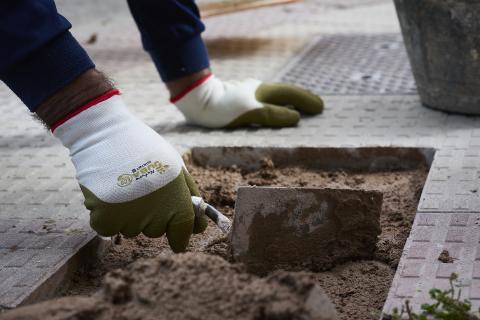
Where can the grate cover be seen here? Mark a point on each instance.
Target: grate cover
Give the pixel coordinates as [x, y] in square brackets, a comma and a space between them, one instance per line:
[353, 65]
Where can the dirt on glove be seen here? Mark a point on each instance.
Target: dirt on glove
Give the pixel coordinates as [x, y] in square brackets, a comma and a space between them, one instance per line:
[358, 289]
[190, 286]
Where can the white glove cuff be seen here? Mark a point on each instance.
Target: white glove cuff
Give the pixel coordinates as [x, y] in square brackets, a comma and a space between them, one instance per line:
[117, 156]
[213, 103]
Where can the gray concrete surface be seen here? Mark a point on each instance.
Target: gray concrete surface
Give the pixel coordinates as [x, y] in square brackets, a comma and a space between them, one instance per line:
[37, 186]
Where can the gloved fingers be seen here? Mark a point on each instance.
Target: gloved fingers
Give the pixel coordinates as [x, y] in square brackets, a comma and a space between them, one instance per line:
[179, 205]
[179, 231]
[155, 229]
[268, 116]
[201, 222]
[128, 218]
[131, 230]
[175, 214]
[104, 223]
[105, 226]
[110, 219]
[283, 94]
[192, 186]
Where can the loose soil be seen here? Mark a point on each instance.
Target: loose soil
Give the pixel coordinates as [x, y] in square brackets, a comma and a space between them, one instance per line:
[190, 286]
[358, 289]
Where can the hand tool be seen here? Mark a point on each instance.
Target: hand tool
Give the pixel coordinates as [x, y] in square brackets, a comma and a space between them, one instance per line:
[203, 208]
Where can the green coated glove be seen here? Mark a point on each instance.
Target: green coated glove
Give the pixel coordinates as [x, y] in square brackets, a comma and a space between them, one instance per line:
[132, 179]
[213, 103]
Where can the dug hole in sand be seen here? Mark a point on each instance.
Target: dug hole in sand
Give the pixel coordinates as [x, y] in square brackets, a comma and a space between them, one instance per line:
[161, 288]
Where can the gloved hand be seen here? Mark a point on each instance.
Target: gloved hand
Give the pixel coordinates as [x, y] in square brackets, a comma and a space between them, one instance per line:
[213, 103]
[132, 179]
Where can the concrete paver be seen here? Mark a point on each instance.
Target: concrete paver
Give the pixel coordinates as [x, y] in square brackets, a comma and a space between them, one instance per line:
[299, 228]
[37, 185]
[33, 250]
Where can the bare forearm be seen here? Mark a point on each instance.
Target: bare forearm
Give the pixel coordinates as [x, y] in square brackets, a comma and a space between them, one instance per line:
[178, 86]
[86, 87]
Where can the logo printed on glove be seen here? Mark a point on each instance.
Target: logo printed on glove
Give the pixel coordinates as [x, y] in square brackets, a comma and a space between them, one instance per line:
[141, 172]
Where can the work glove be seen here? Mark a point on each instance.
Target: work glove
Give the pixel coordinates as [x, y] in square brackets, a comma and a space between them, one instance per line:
[133, 180]
[213, 103]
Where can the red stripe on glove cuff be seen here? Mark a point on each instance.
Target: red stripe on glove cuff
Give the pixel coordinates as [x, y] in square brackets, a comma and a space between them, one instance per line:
[97, 100]
[190, 88]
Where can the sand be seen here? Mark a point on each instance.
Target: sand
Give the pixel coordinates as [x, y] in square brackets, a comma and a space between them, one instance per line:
[190, 286]
[358, 289]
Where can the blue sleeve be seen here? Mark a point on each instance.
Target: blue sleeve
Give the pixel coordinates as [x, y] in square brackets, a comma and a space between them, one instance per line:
[38, 55]
[170, 32]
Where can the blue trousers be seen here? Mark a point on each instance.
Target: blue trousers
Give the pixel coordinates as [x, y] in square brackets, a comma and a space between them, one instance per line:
[39, 56]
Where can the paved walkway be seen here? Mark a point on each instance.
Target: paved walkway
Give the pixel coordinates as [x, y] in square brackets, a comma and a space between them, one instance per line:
[43, 224]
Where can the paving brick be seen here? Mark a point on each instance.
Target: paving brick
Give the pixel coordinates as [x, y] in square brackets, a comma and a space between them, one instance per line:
[460, 219]
[59, 226]
[476, 270]
[445, 270]
[323, 216]
[6, 274]
[432, 203]
[13, 296]
[73, 241]
[7, 224]
[407, 288]
[40, 241]
[12, 241]
[418, 251]
[36, 226]
[456, 235]
[3, 254]
[462, 202]
[49, 258]
[422, 234]
[31, 277]
[477, 253]
[441, 283]
[424, 219]
[19, 258]
[475, 290]
[412, 269]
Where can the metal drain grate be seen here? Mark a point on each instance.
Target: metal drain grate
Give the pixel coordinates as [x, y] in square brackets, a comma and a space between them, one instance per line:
[353, 65]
